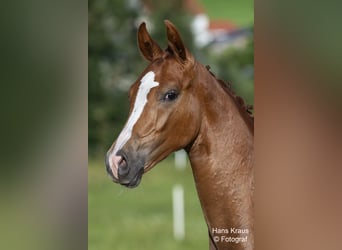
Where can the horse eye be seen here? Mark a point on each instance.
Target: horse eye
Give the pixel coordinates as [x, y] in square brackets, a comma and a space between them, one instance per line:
[170, 95]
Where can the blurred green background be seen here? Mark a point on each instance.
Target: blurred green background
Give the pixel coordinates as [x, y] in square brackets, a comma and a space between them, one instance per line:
[141, 218]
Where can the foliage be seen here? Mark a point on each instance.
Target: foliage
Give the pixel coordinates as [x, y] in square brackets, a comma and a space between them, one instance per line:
[236, 66]
[113, 57]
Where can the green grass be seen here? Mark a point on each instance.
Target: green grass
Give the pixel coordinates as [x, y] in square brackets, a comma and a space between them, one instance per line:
[141, 218]
[241, 12]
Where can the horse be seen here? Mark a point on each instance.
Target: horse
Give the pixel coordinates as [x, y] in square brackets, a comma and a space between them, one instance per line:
[178, 103]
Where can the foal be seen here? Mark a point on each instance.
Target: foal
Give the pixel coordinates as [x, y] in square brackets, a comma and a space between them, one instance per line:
[176, 103]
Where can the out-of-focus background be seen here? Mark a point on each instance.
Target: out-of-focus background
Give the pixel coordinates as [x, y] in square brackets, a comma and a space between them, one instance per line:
[43, 128]
[220, 34]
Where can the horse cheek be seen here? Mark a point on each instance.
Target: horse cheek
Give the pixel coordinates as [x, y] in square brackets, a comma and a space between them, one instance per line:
[161, 121]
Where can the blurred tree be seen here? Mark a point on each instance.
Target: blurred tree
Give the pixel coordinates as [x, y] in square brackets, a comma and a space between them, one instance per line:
[236, 65]
[113, 58]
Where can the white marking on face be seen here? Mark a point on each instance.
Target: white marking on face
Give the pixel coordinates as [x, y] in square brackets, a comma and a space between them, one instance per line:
[147, 83]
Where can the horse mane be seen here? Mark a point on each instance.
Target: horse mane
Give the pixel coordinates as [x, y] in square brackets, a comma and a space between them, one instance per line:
[246, 110]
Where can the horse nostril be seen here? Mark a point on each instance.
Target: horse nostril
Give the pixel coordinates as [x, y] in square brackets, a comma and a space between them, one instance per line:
[123, 168]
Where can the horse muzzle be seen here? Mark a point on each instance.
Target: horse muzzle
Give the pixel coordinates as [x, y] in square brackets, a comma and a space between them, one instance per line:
[125, 168]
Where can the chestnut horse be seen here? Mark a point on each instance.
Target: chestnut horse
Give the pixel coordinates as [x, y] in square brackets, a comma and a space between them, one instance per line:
[177, 103]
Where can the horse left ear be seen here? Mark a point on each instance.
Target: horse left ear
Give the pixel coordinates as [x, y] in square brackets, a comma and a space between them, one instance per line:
[175, 42]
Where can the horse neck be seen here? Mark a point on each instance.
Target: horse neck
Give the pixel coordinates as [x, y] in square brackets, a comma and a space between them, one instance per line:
[221, 158]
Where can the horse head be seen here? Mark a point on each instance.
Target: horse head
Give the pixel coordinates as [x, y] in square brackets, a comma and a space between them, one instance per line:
[164, 115]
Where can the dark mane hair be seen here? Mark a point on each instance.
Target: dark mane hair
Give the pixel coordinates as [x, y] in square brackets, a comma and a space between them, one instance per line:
[245, 109]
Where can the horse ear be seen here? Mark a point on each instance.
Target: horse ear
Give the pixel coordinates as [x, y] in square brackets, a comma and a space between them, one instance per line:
[148, 47]
[175, 42]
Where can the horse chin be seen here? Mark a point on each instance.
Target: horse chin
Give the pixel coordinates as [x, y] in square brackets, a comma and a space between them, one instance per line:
[135, 181]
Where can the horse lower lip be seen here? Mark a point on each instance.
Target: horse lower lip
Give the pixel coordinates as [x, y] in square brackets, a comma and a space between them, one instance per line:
[132, 185]
[134, 182]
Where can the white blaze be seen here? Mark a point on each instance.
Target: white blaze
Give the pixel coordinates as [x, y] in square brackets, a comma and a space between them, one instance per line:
[147, 83]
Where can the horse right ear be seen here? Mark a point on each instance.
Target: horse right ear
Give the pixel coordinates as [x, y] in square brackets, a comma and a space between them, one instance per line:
[148, 47]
